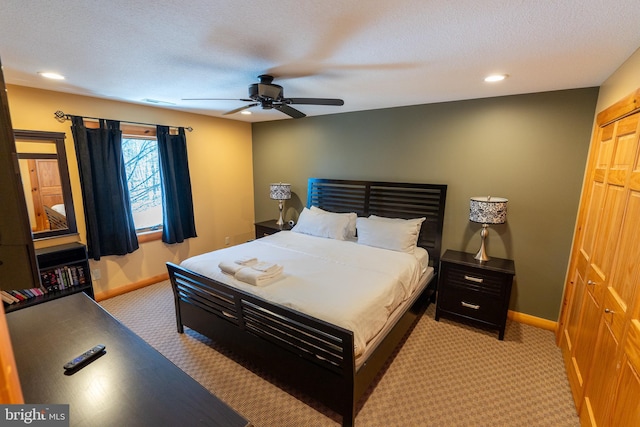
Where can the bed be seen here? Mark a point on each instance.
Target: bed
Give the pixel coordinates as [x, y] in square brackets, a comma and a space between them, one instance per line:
[327, 357]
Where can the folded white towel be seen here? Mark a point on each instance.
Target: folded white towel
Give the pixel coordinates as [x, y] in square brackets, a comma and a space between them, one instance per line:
[258, 278]
[247, 260]
[266, 267]
[230, 267]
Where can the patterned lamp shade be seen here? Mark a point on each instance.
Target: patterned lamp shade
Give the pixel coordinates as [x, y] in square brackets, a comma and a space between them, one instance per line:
[488, 210]
[280, 191]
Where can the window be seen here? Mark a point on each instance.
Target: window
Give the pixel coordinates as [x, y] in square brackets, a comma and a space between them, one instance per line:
[142, 166]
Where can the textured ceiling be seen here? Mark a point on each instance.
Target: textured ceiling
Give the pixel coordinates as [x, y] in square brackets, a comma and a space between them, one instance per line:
[373, 54]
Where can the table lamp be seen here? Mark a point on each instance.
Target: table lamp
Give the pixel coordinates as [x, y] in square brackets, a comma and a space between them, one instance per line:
[487, 210]
[280, 192]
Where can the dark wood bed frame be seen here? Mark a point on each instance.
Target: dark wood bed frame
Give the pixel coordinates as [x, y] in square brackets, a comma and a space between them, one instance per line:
[308, 354]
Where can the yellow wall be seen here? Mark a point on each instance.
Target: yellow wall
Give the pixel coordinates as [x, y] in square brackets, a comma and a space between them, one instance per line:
[621, 83]
[220, 163]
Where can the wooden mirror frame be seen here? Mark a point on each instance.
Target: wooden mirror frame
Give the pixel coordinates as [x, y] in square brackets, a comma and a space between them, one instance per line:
[56, 138]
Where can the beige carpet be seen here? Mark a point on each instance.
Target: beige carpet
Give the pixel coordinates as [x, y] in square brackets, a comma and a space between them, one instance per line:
[445, 374]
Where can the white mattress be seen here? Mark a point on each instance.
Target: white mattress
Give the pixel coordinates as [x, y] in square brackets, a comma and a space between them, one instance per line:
[394, 317]
[354, 286]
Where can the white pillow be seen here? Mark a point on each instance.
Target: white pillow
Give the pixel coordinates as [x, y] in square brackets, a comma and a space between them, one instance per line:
[416, 221]
[322, 225]
[351, 230]
[401, 236]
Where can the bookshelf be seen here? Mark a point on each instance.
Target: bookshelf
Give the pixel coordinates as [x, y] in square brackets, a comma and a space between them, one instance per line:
[64, 270]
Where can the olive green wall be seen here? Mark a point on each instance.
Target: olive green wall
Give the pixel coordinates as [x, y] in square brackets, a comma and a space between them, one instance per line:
[530, 149]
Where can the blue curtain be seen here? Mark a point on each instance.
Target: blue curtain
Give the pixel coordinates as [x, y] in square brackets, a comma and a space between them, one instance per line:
[177, 202]
[107, 209]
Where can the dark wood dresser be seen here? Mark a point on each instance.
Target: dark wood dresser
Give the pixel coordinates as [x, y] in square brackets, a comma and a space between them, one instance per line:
[475, 291]
[130, 384]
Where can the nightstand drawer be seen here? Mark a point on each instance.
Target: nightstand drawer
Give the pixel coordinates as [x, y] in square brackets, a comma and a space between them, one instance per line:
[475, 305]
[481, 281]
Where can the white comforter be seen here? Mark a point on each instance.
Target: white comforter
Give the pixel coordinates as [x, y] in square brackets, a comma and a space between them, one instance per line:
[353, 286]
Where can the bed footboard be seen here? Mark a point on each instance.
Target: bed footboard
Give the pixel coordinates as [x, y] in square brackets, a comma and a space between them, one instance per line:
[309, 354]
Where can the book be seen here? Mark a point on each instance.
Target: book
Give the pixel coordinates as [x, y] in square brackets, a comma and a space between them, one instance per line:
[23, 293]
[61, 280]
[8, 298]
[37, 292]
[18, 295]
[74, 275]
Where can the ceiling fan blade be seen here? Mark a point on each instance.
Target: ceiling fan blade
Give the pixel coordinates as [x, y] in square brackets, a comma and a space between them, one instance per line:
[237, 110]
[290, 111]
[217, 99]
[314, 101]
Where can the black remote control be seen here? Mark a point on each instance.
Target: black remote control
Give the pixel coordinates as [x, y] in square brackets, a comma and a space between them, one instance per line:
[85, 357]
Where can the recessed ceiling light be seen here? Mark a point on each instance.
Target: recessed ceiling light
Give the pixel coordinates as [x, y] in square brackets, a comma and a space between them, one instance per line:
[54, 76]
[246, 113]
[495, 78]
[156, 101]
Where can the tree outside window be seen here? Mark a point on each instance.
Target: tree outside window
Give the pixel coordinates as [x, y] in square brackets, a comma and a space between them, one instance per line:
[143, 177]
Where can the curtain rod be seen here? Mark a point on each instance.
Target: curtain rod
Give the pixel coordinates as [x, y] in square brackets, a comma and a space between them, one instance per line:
[61, 117]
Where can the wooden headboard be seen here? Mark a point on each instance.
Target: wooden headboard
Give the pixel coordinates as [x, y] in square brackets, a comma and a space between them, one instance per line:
[390, 199]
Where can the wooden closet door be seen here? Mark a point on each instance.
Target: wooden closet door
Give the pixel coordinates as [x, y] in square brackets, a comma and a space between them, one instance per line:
[626, 403]
[614, 263]
[586, 284]
[598, 335]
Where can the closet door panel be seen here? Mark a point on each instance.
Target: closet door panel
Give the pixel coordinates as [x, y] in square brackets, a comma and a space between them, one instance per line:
[622, 287]
[626, 407]
[601, 386]
[586, 339]
[581, 325]
[623, 156]
[571, 331]
[606, 242]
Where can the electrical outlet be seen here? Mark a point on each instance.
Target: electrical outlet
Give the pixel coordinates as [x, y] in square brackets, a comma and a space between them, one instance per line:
[95, 274]
[227, 240]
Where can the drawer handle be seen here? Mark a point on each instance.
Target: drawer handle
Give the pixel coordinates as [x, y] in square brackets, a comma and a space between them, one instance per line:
[474, 279]
[473, 306]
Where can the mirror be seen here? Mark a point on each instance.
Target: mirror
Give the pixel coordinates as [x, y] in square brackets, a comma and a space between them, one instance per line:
[45, 178]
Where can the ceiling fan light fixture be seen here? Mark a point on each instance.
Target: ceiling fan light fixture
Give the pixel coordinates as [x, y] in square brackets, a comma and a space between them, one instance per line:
[268, 91]
[246, 112]
[270, 96]
[495, 78]
[157, 101]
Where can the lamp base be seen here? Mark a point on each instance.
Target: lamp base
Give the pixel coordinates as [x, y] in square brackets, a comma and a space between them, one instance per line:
[482, 252]
[280, 221]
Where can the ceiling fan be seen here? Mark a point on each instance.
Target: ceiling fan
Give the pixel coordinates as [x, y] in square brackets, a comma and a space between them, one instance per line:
[269, 96]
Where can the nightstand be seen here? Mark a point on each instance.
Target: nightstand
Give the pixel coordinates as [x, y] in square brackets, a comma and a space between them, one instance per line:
[266, 228]
[475, 291]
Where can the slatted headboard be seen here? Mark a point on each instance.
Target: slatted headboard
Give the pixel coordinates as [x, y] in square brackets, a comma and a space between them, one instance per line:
[389, 199]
